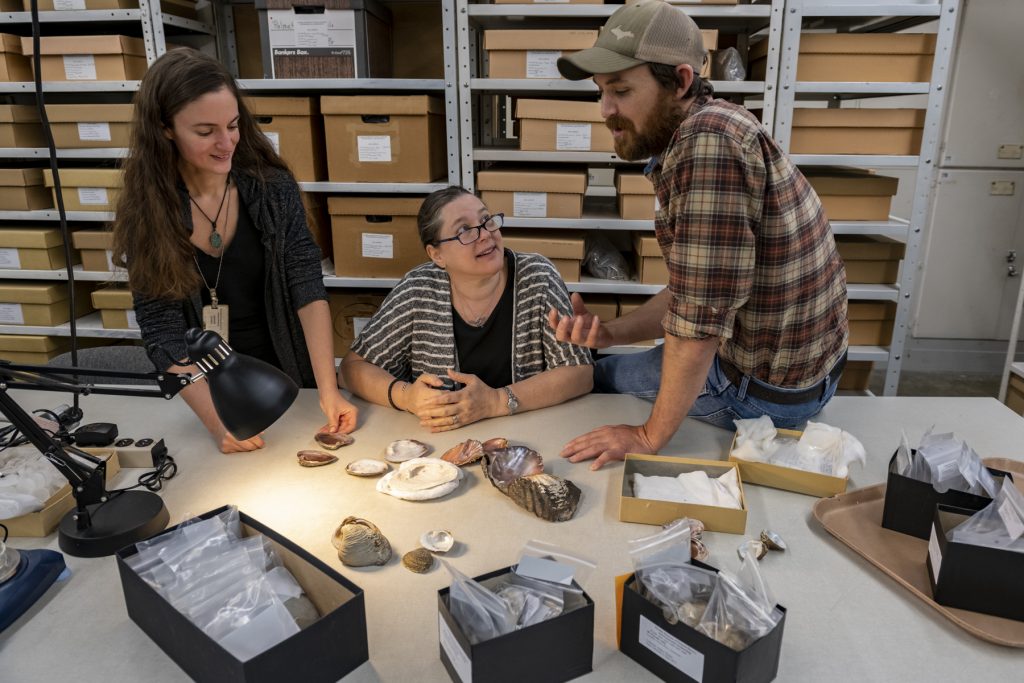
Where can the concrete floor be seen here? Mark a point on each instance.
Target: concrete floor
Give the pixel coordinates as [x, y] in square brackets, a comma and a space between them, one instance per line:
[939, 384]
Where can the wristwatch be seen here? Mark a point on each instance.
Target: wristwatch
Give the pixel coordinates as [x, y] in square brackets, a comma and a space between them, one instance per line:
[513, 402]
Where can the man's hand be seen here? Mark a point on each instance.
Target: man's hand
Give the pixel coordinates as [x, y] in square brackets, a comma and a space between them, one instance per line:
[582, 328]
[608, 443]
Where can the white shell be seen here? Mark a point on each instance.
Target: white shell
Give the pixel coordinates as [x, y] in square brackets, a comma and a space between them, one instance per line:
[406, 449]
[367, 467]
[421, 479]
[437, 541]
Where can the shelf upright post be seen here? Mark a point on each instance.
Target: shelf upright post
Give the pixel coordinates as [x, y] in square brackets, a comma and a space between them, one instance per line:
[452, 91]
[463, 80]
[156, 44]
[224, 24]
[771, 75]
[785, 85]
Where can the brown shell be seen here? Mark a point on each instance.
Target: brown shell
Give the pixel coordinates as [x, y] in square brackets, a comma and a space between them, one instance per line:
[420, 560]
[315, 458]
[502, 466]
[360, 543]
[495, 443]
[547, 496]
[333, 442]
[698, 550]
[467, 452]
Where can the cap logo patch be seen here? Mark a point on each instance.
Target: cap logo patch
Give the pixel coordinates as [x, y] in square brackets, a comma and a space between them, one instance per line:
[620, 34]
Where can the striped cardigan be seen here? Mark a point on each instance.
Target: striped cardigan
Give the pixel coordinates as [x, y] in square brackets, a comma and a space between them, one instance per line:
[413, 332]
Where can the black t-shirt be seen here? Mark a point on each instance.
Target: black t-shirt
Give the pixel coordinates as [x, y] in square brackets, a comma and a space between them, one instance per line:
[486, 351]
[242, 288]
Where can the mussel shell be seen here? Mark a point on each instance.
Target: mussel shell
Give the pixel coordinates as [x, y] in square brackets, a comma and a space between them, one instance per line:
[419, 560]
[437, 541]
[772, 540]
[467, 452]
[546, 495]
[360, 543]
[333, 441]
[367, 467]
[406, 449]
[503, 466]
[495, 443]
[315, 458]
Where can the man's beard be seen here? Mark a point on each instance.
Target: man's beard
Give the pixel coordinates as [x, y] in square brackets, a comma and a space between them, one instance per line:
[662, 123]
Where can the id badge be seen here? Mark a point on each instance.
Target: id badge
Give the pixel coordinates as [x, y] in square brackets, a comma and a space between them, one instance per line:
[215, 318]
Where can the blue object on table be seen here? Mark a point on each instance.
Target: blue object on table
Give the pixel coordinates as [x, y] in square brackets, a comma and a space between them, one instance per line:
[37, 570]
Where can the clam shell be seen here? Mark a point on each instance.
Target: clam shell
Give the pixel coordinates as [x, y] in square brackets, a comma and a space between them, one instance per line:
[698, 550]
[360, 543]
[772, 540]
[545, 495]
[333, 442]
[406, 449]
[437, 541]
[696, 526]
[315, 458]
[758, 548]
[467, 452]
[495, 443]
[419, 560]
[421, 479]
[503, 466]
[367, 467]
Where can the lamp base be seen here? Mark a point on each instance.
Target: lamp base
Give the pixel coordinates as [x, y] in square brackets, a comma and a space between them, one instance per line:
[127, 518]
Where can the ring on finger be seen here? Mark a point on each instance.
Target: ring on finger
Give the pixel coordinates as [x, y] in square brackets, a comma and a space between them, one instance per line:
[455, 419]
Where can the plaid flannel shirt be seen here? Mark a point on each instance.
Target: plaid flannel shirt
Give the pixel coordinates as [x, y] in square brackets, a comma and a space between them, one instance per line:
[750, 253]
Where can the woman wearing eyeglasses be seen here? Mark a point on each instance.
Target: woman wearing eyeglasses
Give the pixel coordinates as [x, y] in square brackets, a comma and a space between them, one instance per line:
[464, 337]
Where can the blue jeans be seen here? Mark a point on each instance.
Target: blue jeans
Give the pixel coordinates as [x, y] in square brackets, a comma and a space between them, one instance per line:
[719, 403]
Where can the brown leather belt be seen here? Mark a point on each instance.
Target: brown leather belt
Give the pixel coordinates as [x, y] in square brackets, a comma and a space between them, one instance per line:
[764, 393]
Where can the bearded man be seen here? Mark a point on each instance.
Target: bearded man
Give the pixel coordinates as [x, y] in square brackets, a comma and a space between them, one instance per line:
[754, 317]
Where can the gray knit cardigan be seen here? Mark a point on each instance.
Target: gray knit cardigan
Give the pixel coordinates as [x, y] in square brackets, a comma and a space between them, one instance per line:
[413, 332]
[294, 278]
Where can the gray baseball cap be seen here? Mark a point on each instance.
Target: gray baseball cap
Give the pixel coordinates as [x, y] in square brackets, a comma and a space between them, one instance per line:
[640, 32]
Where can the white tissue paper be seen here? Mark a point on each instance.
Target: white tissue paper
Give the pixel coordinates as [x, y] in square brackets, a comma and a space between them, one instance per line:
[691, 487]
[821, 448]
[27, 480]
[755, 439]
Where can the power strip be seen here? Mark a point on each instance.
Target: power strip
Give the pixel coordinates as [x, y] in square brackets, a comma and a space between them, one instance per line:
[144, 453]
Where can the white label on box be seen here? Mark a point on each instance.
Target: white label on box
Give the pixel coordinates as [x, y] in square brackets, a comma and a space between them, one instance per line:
[671, 649]
[92, 195]
[110, 260]
[79, 67]
[10, 314]
[545, 570]
[376, 245]
[358, 324]
[68, 5]
[461, 662]
[1011, 517]
[935, 554]
[542, 63]
[374, 147]
[9, 258]
[530, 204]
[572, 137]
[94, 132]
[133, 324]
[275, 140]
[657, 204]
[311, 30]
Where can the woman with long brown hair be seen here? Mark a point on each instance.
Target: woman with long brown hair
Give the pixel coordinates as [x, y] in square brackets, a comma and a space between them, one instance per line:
[211, 227]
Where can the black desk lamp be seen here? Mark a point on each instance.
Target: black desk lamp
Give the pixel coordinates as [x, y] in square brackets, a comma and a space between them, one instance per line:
[248, 394]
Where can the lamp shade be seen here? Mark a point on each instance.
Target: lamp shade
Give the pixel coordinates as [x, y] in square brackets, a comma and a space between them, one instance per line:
[248, 394]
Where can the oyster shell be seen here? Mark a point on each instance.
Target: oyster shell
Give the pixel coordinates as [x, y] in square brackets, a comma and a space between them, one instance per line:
[315, 458]
[437, 541]
[367, 467]
[467, 452]
[772, 540]
[333, 442]
[360, 543]
[495, 443]
[758, 549]
[420, 560]
[406, 449]
[502, 466]
[545, 495]
[421, 479]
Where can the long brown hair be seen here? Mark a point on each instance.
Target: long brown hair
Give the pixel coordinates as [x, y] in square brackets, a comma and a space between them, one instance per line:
[150, 235]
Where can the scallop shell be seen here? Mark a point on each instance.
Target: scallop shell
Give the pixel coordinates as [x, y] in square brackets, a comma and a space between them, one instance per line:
[367, 467]
[502, 466]
[772, 540]
[437, 541]
[545, 495]
[360, 543]
[420, 560]
[467, 452]
[495, 443]
[421, 479]
[758, 548]
[333, 441]
[315, 458]
[406, 449]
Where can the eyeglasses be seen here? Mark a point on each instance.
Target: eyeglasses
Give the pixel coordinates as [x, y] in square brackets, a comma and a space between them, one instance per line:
[470, 235]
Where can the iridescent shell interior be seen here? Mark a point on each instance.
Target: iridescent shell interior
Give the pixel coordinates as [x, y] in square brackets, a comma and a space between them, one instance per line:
[508, 464]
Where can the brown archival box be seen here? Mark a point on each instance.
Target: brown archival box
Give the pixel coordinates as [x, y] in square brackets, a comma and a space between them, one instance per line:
[532, 53]
[90, 58]
[870, 261]
[562, 126]
[375, 237]
[22, 189]
[32, 248]
[77, 126]
[87, 189]
[650, 263]
[857, 131]
[858, 57]
[38, 303]
[533, 193]
[296, 130]
[95, 246]
[14, 66]
[116, 308]
[852, 195]
[32, 349]
[637, 200]
[20, 127]
[350, 311]
[871, 322]
[564, 248]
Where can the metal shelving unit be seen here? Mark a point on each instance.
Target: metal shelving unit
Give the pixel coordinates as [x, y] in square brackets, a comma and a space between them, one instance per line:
[43, 153]
[87, 326]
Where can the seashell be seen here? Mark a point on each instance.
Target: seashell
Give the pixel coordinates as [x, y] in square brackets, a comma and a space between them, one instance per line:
[419, 560]
[495, 443]
[333, 442]
[696, 526]
[467, 452]
[758, 549]
[360, 543]
[437, 541]
[315, 458]
[367, 467]
[502, 466]
[421, 479]
[690, 613]
[406, 449]
[698, 550]
[545, 495]
[772, 540]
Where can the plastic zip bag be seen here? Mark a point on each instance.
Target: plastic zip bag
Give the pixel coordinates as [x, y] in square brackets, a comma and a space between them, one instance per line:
[480, 614]
[530, 600]
[218, 530]
[741, 609]
[603, 260]
[727, 65]
[662, 566]
[999, 525]
[582, 567]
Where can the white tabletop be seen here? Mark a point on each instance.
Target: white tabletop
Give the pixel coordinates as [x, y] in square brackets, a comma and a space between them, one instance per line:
[846, 621]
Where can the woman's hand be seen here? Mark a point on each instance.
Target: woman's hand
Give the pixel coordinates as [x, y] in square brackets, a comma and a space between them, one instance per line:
[421, 396]
[341, 414]
[229, 444]
[474, 402]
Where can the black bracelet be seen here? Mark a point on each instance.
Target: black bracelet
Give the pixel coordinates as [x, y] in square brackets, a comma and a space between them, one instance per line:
[391, 400]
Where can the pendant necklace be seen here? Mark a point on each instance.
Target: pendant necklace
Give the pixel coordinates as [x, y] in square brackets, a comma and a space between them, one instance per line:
[215, 238]
[215, 316]
[479, 320]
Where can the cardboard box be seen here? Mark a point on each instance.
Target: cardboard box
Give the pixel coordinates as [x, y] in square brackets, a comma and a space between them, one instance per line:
[20, 127]
[90, 58]
[853, 195]
[604, 306]
[43, 522]
[32, 349]
[533, 53]
[859, 57]
[856, 375]
[295, 130]
[564, 248]
[633, 509]
[319, 221]
[179, 8]
[116, 308]
[560, 649]
[679, 653]
[14, 66]
[40, 303]
[71, 5]
[871, 322]
[1015, 394]
[870, 261]
[375, 237]
[77, 126]
[87, 189]
[383, 138]
[22, 189]
[248, 49]
[96, 249]
[788, 478]
[857, 131]
[331, 647]
[910, 504]
[973, 577]
[629, 303]
[350, 311]
[562, 126]
[413, 56]
[650, 265]
[637, 200]
[529, 193]
[32, 249]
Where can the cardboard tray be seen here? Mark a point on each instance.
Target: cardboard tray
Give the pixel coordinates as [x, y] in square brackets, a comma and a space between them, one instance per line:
[787, 478]
[855, 518]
